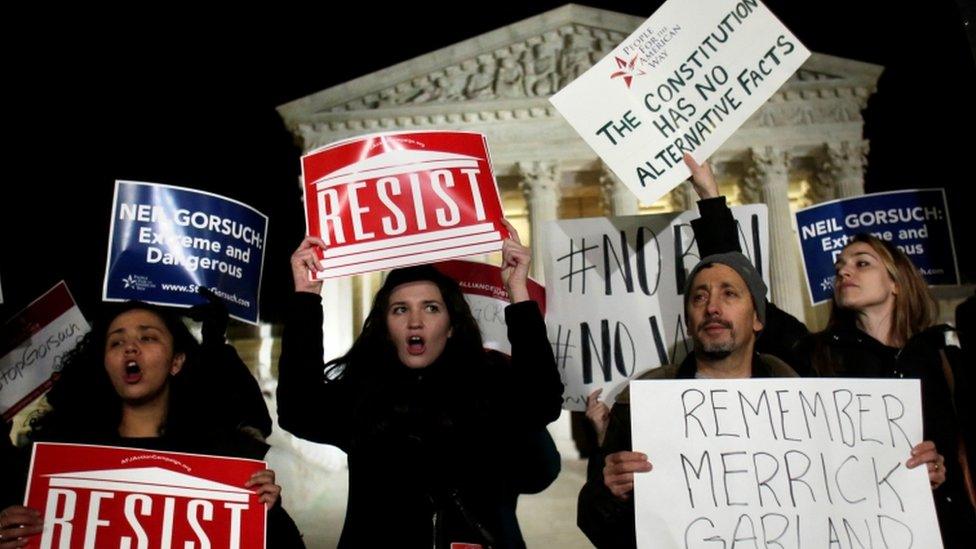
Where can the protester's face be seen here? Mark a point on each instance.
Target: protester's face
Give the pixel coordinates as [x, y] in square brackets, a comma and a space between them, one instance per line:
[862, 282]
[418, 323]
[721, 316]
[139, 356]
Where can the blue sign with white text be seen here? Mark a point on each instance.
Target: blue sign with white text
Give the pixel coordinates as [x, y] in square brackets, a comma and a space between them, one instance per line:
[916, 221]
[166, 242]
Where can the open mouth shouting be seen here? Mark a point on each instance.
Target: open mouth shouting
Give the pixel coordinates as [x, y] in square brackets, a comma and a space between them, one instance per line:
[415, 345]
[133, 373]
[418, 323]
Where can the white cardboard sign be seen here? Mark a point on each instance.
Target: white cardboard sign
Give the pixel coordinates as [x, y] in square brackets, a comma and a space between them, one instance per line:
[614, 303]
[783, 462]
[684, 81]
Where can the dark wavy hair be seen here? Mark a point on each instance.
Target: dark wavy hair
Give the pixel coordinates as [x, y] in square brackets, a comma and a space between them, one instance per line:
[373, 346]
[84, 406]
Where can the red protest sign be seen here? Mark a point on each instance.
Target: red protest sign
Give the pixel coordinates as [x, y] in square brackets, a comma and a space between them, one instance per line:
[390, 200]
[485, 280]
[100, 496]
[483, 290]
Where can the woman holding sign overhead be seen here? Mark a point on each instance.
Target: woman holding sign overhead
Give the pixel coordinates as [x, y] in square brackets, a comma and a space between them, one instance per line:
[435, 426]
[131, 382]
[882, 325]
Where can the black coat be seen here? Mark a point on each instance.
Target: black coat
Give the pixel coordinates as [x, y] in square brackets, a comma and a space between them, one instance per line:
[436, 454]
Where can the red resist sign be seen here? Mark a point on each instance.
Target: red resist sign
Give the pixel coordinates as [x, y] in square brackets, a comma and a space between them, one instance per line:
[99, 496]
[389, 200]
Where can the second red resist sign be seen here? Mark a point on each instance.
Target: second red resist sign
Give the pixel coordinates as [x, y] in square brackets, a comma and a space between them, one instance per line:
[101, 496]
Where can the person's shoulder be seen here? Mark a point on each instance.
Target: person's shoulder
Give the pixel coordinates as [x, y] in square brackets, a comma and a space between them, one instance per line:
[828, 338]
[242, 443]
[931, 341]
[494, 357]
[939, 335]
[669, 371]
[777, 367]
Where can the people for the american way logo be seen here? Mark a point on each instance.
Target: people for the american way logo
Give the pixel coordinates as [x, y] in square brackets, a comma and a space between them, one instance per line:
[627, 69]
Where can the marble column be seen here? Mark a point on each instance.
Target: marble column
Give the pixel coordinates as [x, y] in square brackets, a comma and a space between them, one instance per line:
[540, 184]
[620, 199]
[266, 380]
[337, 325]
[682, 197]
[843, 168]
[767, 181]
[840, 175]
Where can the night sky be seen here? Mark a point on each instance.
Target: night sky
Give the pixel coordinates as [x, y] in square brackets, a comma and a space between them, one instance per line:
[188, 99]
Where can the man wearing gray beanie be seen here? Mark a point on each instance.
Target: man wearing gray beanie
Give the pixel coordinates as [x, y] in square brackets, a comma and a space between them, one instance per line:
[713, 300]
[725, 309]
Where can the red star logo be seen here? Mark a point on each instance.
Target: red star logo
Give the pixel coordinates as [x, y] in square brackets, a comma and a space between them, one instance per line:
[628, 69]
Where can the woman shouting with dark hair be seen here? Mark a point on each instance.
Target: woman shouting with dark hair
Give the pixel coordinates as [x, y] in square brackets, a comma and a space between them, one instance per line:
[434, 425]
[132, 382]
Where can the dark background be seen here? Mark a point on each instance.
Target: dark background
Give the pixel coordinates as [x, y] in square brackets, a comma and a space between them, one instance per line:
[188, 99]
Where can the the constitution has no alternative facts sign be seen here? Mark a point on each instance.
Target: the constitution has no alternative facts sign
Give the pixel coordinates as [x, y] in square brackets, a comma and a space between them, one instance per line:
[684, 81]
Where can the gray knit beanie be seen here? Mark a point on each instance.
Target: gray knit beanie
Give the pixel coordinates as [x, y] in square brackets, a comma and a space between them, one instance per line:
[741, 265]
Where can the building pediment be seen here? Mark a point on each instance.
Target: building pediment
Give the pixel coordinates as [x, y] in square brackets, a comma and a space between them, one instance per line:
[499, 84]
[519, 67]
[493, 66]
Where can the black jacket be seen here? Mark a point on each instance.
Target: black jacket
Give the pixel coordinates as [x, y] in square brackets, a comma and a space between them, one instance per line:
[605, 519]
[435, 454]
